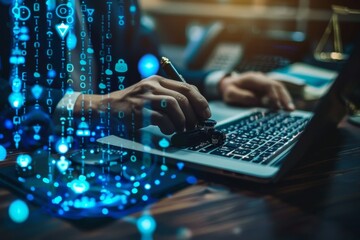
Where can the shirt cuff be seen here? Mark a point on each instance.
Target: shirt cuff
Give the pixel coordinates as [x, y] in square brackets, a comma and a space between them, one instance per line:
[65, 105]
[212, 80]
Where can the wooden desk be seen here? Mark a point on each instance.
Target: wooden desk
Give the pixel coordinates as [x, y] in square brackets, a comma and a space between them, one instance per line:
[320, 199]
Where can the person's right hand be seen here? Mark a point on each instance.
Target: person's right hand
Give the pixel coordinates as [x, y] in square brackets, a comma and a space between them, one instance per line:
[171, 105]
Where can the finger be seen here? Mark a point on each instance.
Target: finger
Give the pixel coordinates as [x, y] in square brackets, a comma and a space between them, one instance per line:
[197, 101]
[169, 105]
[145, 117]
[285, 98]
[273, 98]
[191, 117]
[235, 95]
[162, 121]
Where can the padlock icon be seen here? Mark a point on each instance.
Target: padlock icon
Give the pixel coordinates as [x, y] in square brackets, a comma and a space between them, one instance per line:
[121, 66]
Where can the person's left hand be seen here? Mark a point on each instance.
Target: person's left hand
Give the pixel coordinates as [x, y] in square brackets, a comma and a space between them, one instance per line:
[255, 89]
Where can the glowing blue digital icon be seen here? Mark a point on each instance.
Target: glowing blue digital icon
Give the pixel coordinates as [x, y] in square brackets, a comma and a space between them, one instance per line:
[2, 153]
[90, 11]
[90, 50]
[71, 41]
[37, 75]
[16, 85]
[62, 146]
[51, 4]
[22, 13]
[108, 72]
[18, 211]
[146, 225]
[83, 129]
[79, 185]
[16, 100]
[102, 86]
[180, 165]
[83, 62]
[23, 160]
[63, 164]
[64, 10]
[36, 91]
[148, 65]
[121, 20]
[121, 66]
[37, 129]
[62, 29]
[17, 60]
[163, 143]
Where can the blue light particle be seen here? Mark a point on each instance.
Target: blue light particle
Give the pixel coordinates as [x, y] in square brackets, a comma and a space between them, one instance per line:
[145, 198]
[62, 147]
[164, 143]
[164, 168]
[23, 160]
[136, 184]
[18, 211]
[148, 65]
[132, 8]
[157, 182]
[51, 73]
[3, 153]
[105, 211]
[30, 197]
[147, 186]
[146, 224]
[8, 124]
[16, 100]
[191, 179]
[134, 190]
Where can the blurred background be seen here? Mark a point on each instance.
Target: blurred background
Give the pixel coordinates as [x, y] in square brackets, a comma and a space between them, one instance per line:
[289, 28]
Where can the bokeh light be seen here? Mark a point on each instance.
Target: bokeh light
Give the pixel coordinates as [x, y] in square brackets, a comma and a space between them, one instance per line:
[148, 65]
[18, 211]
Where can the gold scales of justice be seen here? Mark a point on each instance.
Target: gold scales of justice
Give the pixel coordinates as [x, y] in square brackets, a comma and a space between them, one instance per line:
[333, 27]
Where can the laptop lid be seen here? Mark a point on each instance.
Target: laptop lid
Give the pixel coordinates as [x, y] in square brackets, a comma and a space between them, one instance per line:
[330, 110]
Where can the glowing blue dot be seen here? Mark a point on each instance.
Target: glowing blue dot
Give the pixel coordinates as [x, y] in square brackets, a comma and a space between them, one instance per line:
[30, 197]
[148, 65]
[56, 184]
[16, 100]
[61, 212]
[23, 160]
[8, 124]
[145, 198]
[105, 211]
[32, 189]
[18, 211]
[147, 186]
[118, 185]
[173, 176]
[136, 184]
[132, 8]
[132, 178]
[157, 182]
[143, 175]
[134, 190]
[162, 174]
[164, 168]
[2, 153]
[62, 147]
[191, 180]
[51, 73]
[164, 143]
[117, 178]
[146, 224]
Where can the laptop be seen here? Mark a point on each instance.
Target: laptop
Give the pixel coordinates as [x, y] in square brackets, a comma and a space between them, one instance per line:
[261, 145]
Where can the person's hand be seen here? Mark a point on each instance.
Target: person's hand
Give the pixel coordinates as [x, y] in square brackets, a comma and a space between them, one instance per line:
[255, 89]
[171, 105]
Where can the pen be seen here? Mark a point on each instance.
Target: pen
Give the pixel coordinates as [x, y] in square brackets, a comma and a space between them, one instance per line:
[170, 70]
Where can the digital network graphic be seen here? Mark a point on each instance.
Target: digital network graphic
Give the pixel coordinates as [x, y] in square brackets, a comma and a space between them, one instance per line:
[55, 50]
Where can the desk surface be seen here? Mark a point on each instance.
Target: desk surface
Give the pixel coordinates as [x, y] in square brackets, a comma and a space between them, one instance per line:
[319, 199]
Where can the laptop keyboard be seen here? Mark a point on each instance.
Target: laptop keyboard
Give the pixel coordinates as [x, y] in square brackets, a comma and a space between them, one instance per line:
[257, 138]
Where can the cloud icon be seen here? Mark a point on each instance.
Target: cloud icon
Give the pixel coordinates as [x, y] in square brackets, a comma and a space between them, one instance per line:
[108, 72]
